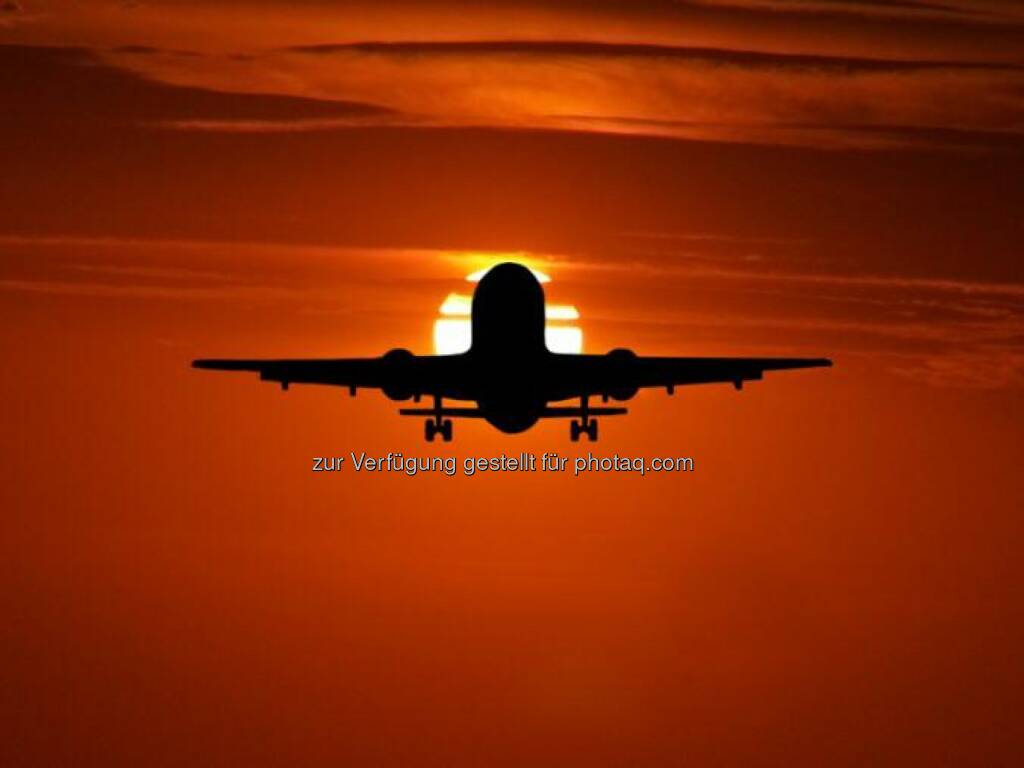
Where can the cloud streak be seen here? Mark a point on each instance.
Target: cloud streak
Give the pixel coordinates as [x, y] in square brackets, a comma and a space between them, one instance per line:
[606, 50]
[684, 92]
[73, 86]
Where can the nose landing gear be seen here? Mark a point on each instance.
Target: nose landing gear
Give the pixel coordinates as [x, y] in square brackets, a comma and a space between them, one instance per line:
[585, 425]
[437, 425]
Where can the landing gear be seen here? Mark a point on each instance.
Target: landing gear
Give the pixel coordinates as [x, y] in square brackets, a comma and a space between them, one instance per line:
[576, 429]
[585, 425]
[443, 428]
[437, 425]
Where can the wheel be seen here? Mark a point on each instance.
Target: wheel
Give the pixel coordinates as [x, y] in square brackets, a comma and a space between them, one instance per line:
[592, 431]
[574, 431]
[446, 430]
[429, 430]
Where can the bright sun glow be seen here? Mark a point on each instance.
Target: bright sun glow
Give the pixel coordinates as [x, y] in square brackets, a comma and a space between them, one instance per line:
[475, 276]
[453, 331]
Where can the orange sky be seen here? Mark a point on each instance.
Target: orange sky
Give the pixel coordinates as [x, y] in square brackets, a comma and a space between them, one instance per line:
[835, 584]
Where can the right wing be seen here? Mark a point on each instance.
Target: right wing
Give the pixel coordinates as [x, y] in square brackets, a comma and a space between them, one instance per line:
[624, 372]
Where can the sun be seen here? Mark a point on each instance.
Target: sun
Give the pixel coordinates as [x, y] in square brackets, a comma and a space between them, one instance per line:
[453, 330]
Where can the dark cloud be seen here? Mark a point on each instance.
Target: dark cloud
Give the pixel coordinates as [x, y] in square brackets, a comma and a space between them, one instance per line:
[44, 84]
[908, 5]
[962, 14]
[149, 50]
[601, 50]
[855, 135]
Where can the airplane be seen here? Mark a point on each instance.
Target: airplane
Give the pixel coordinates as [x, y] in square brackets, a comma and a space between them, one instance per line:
[509, 372]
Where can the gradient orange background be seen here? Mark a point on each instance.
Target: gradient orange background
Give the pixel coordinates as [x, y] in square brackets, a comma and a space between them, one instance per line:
[838, 582]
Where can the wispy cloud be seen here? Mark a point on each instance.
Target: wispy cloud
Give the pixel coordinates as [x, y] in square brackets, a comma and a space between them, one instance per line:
[72, 86]
[955, 11]
[601, 50]
[687, 92]
[130, 290]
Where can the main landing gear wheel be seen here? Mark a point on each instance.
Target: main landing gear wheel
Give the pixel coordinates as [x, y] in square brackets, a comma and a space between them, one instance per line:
[443, 428]
[437, 425]
[577, 428]
[585, 425]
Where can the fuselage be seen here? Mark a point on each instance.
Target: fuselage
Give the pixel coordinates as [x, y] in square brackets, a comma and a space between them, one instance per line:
[508, 352]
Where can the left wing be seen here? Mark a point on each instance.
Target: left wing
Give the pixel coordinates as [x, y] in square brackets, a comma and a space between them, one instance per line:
[399, 373]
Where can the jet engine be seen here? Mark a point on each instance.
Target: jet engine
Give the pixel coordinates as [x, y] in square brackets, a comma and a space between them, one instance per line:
[622, 360]
[398, 363]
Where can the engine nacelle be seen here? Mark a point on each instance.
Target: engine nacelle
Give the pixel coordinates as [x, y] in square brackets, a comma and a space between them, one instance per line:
[398, 363]
[620, 374]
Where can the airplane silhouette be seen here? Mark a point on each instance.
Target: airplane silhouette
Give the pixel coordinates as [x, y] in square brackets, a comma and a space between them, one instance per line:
[508, 370]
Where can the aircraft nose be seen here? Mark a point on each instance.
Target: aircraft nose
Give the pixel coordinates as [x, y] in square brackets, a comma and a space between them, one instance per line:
[508, 271]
